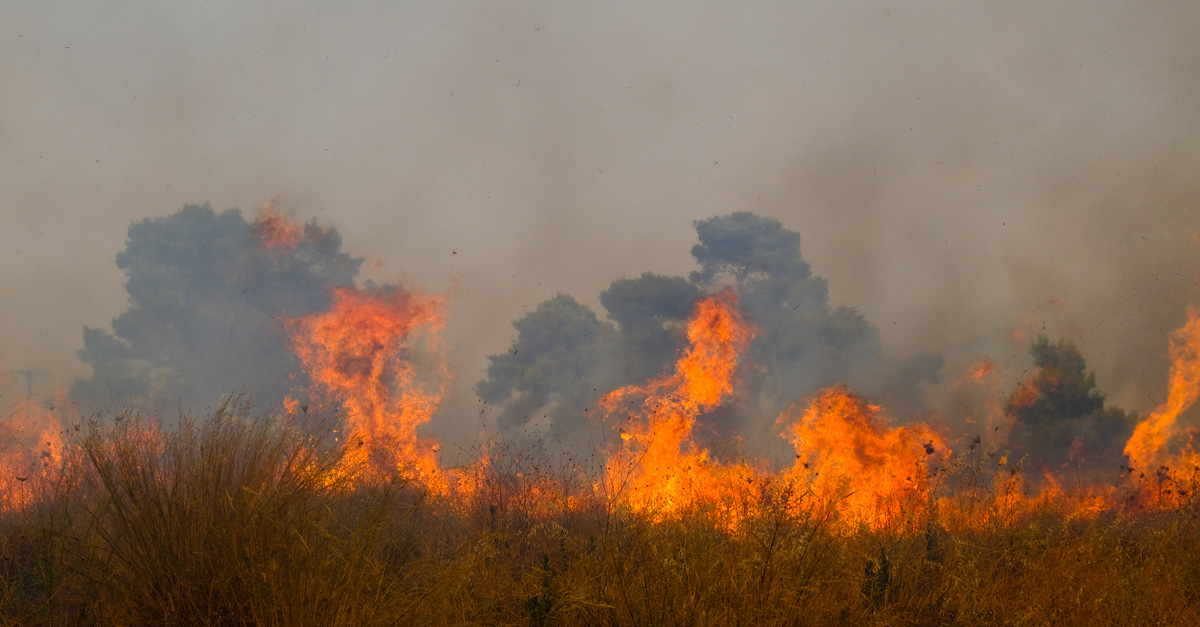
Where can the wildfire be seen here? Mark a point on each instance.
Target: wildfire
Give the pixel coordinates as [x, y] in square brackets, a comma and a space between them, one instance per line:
[278, 234]
[273, 231]
[658, 467]
[377, 354]
[1146, 448]
[1028, 392]
[848, 455]
[976, 373]
[31, 447]
[376, 357]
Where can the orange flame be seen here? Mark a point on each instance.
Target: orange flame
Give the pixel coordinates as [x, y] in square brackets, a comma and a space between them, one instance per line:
[658, 468]
[364, 353]
[31, 448]
[1146, 448]
[848, 455]
[976, 372]
[1027, 393]
[273, 231]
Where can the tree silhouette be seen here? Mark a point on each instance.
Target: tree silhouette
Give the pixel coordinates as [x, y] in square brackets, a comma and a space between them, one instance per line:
[1060, 414]
[205, 305]
[801, 343]
[559, 355]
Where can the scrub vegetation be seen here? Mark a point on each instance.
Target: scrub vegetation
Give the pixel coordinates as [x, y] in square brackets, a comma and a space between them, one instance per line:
[242, 519]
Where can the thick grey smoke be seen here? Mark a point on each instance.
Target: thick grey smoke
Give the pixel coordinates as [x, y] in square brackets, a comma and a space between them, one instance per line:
[958, 170]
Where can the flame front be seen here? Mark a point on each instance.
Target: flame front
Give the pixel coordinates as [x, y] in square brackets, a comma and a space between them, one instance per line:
[849, 456]
[658, 467]
[375, 356]
[378, 354]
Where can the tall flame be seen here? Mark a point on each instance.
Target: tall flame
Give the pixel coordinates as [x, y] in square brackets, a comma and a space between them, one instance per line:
[848, 455]
[1146, 448]
[365, 353]
[658, 467]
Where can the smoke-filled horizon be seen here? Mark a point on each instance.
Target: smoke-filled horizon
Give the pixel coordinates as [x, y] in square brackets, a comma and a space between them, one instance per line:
[956, 172]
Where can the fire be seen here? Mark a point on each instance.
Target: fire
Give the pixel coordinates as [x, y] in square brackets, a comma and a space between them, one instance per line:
[847, 454]
[658, 467]
[1006, 498]
[976, 373]
[273, 231]
[376, 357]
[1028, 392]
[366, 354]
[31, 448]
[280, 235]
[1146, 448]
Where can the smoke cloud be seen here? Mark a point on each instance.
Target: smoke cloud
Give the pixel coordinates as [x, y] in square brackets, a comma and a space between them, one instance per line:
[957, 171]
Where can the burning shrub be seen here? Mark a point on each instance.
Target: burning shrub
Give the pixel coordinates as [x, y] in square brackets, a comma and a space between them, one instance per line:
[1059, 414]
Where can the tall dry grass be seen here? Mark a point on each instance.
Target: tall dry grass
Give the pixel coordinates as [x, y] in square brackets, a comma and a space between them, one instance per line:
[241, 519]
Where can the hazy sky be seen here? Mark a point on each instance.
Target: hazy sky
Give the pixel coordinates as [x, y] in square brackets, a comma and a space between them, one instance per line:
[957, 170]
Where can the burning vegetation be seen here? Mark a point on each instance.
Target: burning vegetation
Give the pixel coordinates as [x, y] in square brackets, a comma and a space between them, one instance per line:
[851, 458]
[1147, 449]
[658, 467]
[360, 357]
[252, 518]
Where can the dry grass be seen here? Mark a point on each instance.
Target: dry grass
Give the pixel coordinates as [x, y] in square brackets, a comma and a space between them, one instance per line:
[243, 520]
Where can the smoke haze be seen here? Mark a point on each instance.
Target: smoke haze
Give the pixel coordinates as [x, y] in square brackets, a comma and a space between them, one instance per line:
[957, 171]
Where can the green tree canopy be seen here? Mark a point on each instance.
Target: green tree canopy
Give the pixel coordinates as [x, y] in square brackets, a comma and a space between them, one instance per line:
[651, 314]
[1060, 415]
[1065, 388]
[747, 247]
[559, 354]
